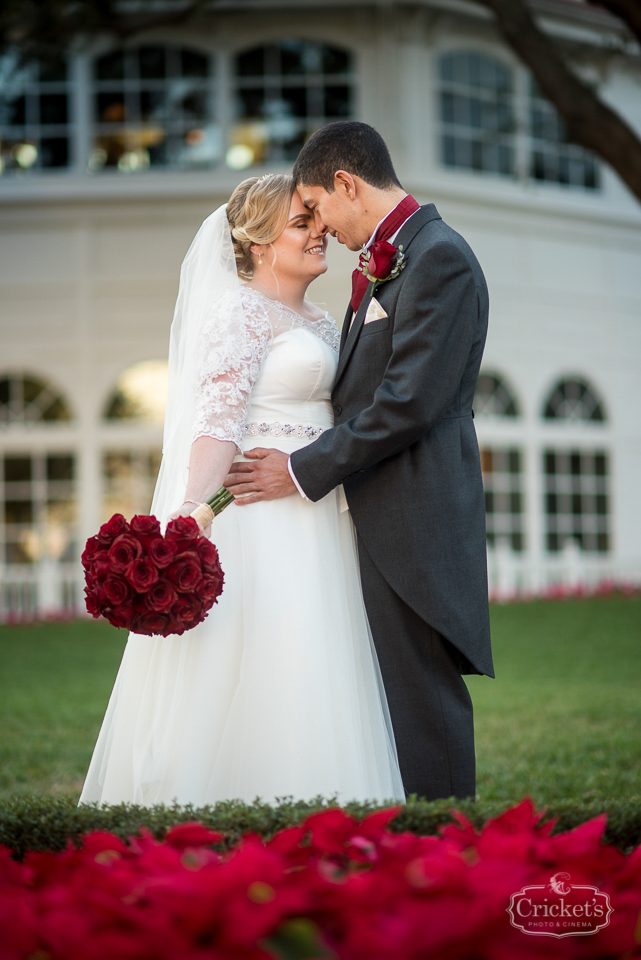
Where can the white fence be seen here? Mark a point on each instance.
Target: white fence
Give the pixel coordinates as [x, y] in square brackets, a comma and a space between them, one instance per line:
[515, 575]
[40, 591]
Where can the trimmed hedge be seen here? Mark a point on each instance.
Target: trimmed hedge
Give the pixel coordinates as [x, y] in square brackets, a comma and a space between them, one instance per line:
[48, 823]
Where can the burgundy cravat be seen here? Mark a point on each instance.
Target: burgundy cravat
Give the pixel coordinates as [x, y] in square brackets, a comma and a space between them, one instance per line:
[392, 222]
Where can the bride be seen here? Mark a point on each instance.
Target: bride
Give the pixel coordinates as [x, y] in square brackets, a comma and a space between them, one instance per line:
[278, 692]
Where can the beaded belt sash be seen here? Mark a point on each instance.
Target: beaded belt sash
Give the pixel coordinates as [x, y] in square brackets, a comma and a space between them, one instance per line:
[299, 431]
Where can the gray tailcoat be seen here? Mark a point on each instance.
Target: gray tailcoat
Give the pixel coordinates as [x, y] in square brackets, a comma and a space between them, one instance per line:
[404, 443]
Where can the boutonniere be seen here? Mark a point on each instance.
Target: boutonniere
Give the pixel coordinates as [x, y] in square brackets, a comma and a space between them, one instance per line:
[382, 261]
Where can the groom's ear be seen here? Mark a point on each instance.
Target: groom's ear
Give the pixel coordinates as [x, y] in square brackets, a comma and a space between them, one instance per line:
[345, 185]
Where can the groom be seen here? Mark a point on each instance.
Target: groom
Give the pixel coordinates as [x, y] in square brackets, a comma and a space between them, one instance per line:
[404, 447]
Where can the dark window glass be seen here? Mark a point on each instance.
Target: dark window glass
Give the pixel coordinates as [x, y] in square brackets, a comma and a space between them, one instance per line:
[17, 469]
[60, 468]
[251, 63]
[53, 108]
[193, 64]
[152, 63]
[110, 67]
[55, 152]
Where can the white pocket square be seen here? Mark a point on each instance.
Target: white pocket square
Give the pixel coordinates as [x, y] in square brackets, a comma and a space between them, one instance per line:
[374, 311]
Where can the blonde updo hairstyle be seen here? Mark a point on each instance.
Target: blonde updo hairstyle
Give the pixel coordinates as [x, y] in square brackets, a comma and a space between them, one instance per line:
[258, 211]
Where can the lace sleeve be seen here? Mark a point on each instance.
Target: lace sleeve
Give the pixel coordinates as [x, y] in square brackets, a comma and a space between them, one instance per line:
[233, 344]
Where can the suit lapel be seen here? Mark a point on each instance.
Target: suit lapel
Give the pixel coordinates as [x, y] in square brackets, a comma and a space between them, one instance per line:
[349, 333]
[346, 326]
[353, 331]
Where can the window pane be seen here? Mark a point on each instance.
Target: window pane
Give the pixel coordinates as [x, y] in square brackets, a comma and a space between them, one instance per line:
[55, 153]
[110, 67]
[193, 64]
[553, 158]
[291, 109]
[504, 501]
[152, 63]
[33, 99]
[576, 499]
[159, 114]
[477, 118]
[17, 469]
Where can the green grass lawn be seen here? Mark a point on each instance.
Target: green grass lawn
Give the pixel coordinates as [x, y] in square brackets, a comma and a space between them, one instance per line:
[562, 719]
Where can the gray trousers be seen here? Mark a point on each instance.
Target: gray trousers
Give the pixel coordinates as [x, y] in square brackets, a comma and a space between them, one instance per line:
[429, 703]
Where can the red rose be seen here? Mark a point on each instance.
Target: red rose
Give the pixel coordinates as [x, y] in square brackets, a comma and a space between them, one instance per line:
[184, 572]
[381, 259]
[210, 588]
[188, 609]
[112, 528]
[162, 552]
[91, 549]
[117, 590]
[160, 597]
[141, 574]
[145, 529]
[182, 528]
[123, 616]
[208, 555]
[123, 551]
[150, 623]
[101, 569]
[92, 605]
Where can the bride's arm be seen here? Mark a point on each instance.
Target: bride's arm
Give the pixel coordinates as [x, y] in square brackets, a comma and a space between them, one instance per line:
[209, 463]
[232, 347]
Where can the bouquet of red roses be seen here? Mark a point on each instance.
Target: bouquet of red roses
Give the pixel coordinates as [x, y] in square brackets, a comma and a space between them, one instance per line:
[149, 583]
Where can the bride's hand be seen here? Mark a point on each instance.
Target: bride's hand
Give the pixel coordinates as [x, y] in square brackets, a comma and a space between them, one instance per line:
[185, 511]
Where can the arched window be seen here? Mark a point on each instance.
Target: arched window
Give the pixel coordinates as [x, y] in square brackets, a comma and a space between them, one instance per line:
[574, 399]
[477, 114]
[284, 92]
[552, 157]
[140, 394]
[27, 399]
[34, 115]
[493, 398]
[153, 106]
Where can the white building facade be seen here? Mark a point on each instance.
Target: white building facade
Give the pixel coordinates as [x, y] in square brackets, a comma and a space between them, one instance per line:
[111, 160]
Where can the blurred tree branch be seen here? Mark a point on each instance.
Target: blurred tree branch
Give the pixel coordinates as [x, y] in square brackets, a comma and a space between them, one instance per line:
[589, 121]
[627, 10]
[46, 29]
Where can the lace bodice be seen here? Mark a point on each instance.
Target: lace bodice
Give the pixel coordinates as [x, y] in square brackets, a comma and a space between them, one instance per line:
[234, 345]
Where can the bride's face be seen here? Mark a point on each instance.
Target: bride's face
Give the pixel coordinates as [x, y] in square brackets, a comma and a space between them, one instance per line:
[300, 249]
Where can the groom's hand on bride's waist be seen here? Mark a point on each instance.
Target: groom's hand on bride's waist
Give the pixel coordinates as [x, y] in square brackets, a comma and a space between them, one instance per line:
[266, 477]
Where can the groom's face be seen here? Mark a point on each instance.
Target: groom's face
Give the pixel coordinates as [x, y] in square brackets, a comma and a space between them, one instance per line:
[337, 212]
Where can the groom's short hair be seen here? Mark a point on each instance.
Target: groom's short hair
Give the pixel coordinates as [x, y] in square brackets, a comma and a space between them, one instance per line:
[346, 145]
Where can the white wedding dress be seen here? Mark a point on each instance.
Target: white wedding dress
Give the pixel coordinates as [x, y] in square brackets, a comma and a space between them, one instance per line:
[278, 692]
